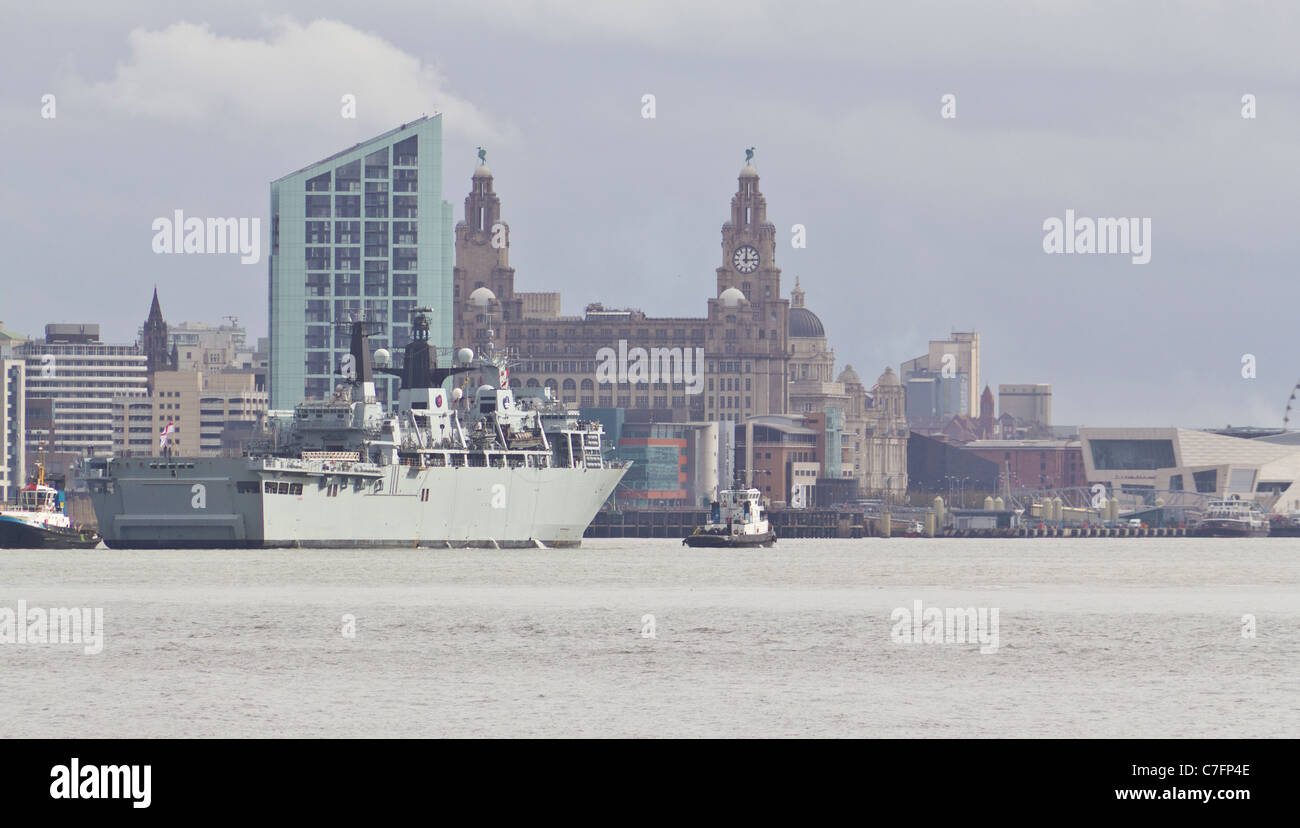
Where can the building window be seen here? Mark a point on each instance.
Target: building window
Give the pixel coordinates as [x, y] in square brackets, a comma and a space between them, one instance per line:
[406, 153]
[345, 284]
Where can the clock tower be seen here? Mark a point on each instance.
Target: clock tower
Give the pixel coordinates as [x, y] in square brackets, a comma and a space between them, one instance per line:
[746, 351]
[483, 260]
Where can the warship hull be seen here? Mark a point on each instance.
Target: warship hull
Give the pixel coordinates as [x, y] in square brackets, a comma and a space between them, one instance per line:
[266, 502]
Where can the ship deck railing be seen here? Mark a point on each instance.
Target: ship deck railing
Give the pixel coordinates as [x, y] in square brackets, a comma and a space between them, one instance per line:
[313, 467]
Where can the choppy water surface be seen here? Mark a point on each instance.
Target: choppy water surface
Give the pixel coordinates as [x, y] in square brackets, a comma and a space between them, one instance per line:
[1096, 638]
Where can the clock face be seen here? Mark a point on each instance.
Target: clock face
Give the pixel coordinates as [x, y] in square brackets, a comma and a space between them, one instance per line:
[745, 259]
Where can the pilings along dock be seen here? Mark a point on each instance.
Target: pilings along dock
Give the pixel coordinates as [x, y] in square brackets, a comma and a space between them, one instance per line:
[850, 523]
[678, 523]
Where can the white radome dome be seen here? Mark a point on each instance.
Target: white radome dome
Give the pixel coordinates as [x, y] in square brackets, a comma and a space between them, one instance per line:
[481, 296]
[465, 355]
[456, 394]
[732, 297]
[382, 357]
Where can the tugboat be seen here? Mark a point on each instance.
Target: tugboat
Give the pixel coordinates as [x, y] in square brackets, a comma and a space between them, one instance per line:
[735, 519]
[1232, 518]
[39, 521]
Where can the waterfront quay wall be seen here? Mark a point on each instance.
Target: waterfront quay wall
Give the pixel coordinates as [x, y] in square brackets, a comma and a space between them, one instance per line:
[678, 523]
[837, 523]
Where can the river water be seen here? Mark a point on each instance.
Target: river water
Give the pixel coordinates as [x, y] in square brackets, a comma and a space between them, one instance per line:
[1107, 638]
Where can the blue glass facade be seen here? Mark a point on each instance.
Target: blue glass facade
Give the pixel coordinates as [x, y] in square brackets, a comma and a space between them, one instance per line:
[363, 231]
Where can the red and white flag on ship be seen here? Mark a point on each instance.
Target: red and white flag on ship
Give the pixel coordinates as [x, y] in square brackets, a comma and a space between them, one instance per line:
[166, 436]
[504, 378]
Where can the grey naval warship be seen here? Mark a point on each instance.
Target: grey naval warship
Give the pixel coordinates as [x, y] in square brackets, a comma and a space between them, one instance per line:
[441, 471]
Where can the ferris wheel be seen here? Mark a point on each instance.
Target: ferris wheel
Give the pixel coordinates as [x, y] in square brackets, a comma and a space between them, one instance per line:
[1286, 417]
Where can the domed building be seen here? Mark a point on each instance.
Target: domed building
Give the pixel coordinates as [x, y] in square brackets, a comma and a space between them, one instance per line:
[812, 361]
[871, 426]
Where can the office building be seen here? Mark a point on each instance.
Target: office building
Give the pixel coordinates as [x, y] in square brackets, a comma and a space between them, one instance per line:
[202, 346]
[947, 381]
[13, 451]
[72, 379]
[9, 341]
[204, 409]
[364, 231]
[780, 453]
[1028, 403]
[675, 465]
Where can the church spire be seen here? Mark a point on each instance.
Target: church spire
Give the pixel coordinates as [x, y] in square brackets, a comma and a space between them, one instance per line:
[796, 295]
[986, 414]
[155, 309]
[153, 341]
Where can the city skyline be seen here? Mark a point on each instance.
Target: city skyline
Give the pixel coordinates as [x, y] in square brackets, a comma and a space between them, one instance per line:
[916, 225]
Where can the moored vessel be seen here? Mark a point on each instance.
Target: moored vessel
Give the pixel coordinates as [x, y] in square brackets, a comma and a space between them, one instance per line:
[1232, 518]
[446, 469]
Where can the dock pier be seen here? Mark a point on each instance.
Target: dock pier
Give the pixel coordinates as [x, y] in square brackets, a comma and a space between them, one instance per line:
[838, 523]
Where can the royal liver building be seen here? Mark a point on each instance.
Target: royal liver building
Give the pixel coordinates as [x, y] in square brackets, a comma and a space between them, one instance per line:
[763, 354]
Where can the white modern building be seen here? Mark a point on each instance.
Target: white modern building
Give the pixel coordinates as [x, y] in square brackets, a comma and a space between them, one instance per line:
[74, 377]
[13, 400]
[1153, 462]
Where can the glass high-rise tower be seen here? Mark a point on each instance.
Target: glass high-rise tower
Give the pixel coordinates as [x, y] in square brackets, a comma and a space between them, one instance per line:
[363, 231]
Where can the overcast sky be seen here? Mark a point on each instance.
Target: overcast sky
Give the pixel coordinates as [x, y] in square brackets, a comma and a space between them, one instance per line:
[916, 225]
